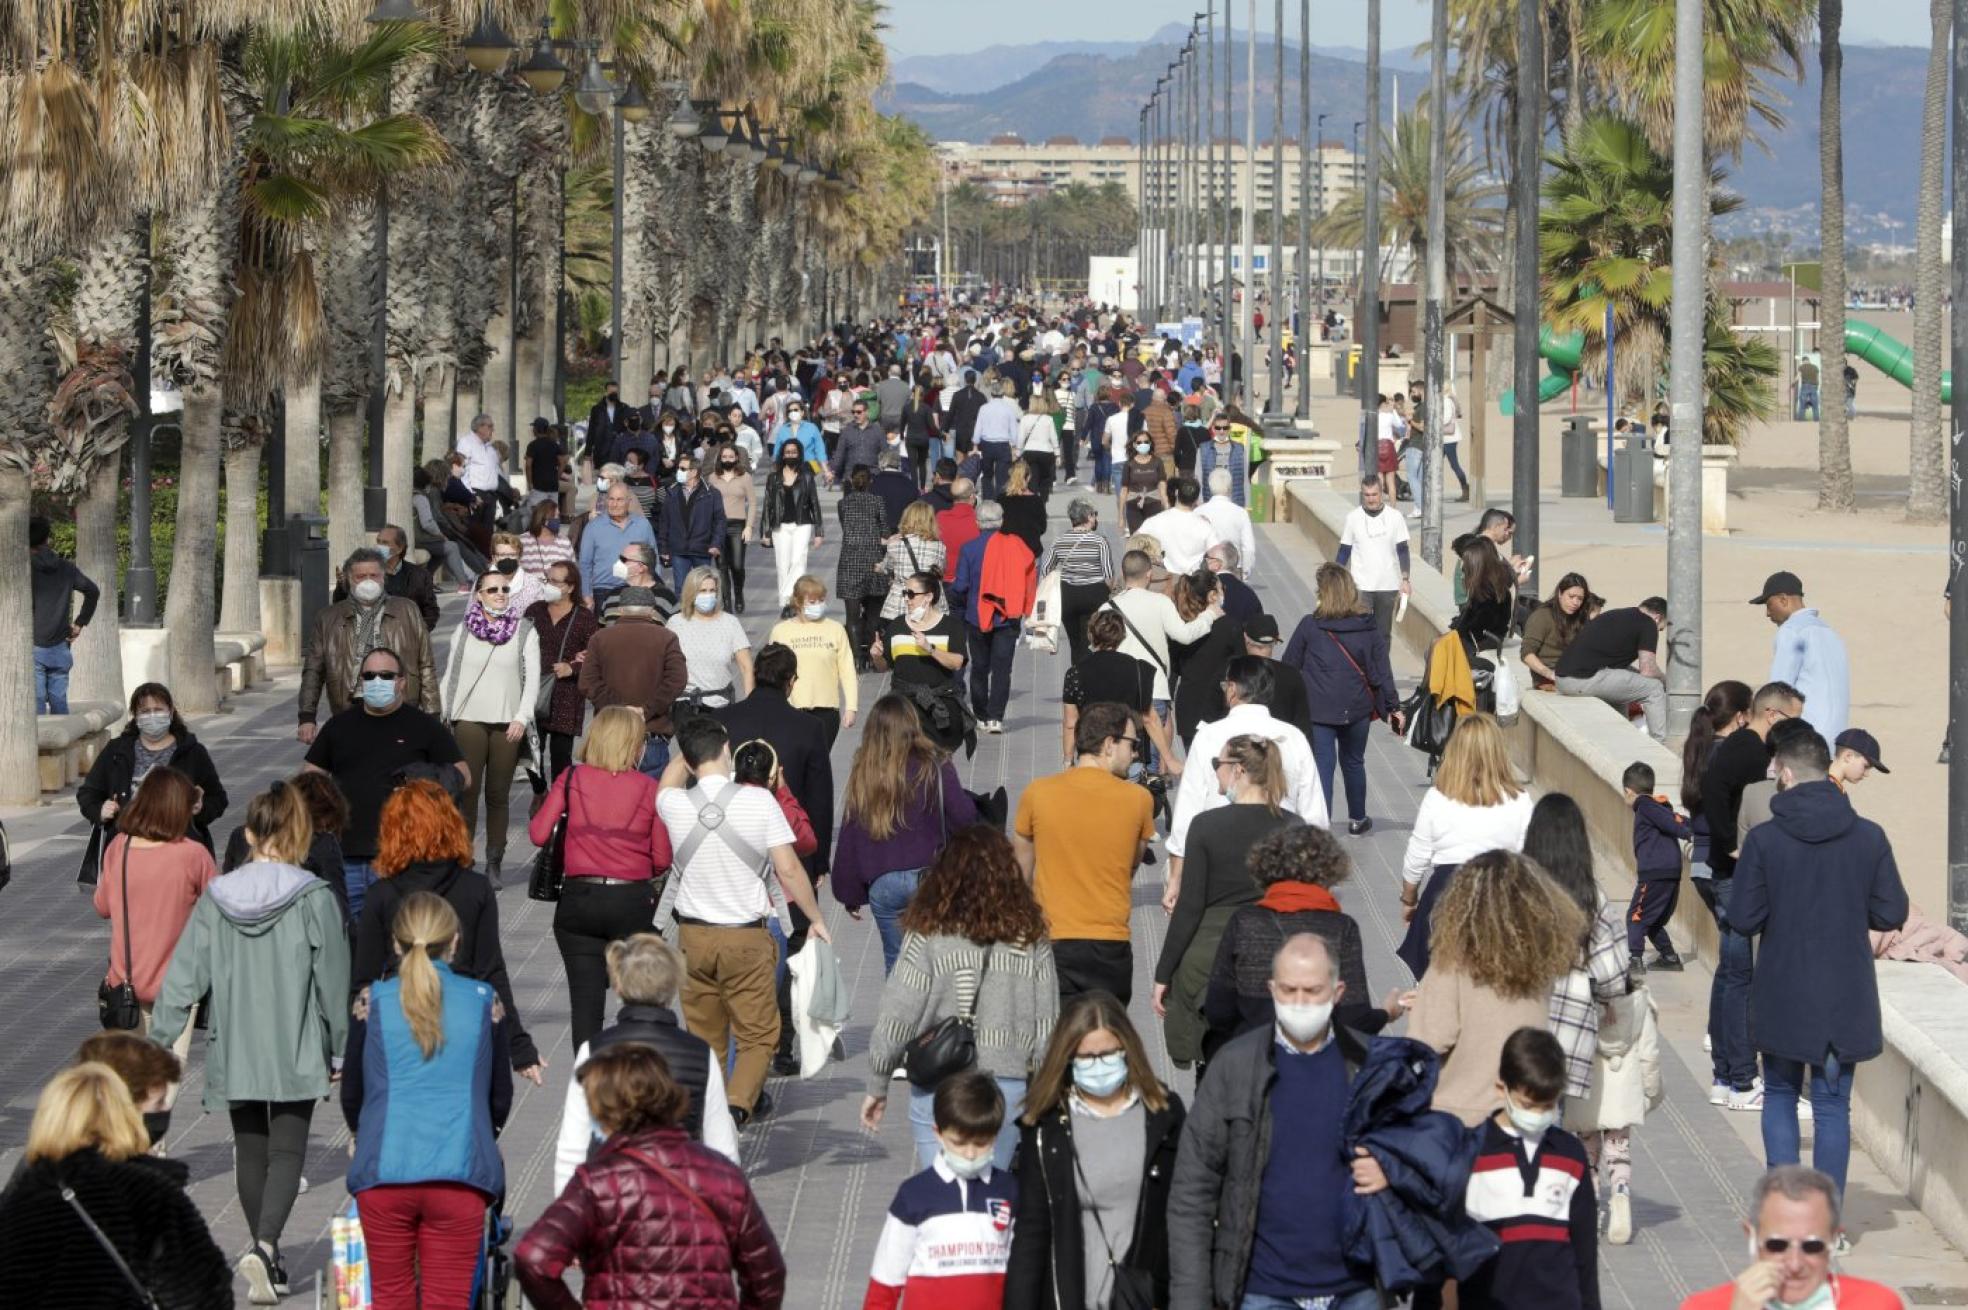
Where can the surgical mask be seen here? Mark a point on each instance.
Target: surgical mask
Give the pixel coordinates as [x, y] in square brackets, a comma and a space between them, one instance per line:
[153, 723]
[706, 601]
[1531, 1123]
[669, 427]
[378, 694]
[601, 484]
[1822, 1299]
[156, 1124]
[918, 613]
[1142, 448]
[814, 610]
[507, 566]
[1304, 1023]
[620, 569]
[683, 477]
[368, 591]
[966, 1168]
[553, 526]
[550, 593]
[1100, 1075]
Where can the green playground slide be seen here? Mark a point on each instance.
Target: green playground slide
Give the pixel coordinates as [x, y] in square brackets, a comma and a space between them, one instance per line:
[1889, 356]
[1562, 353]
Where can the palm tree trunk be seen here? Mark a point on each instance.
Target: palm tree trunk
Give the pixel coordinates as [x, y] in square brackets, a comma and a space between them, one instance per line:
[188, 607]
[302, 393]
[440, 413]
[1926, 455]
[532, 356]
[20, 777]
[1834, 432]
[399, 447]
[239, 598]
[98, 674]
[346, 475]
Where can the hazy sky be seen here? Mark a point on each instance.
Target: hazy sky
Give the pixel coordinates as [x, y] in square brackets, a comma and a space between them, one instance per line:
[918, 27]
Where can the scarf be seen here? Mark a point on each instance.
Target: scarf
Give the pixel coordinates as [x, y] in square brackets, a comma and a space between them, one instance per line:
[1292, 897]
[368, 635]
[495, 630]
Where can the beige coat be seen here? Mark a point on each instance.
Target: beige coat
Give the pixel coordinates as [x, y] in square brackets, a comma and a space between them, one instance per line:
[1467, 1024]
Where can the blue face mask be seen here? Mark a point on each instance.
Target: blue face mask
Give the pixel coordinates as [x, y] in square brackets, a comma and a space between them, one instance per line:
[378, 694]
[706, 601]
[1100, 1075]
[964, 1166]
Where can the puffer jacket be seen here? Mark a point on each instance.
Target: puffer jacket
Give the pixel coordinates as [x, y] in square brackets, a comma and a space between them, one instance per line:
[330, 663]
[643, 1241]
[1416, 1231]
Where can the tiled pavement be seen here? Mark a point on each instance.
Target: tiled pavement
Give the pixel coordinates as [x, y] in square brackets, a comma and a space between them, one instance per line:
[825, 1183]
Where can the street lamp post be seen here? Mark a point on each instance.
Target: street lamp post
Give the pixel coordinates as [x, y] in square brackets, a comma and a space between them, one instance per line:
[1227, 333]
[1957, 782]
[1684, 526]
[1529, 147]
[1276, 281]
[1247, 386]
[1369, 309]
[1437, 273]
[1207, 207]
[1319, 198]
[140, 579]
[1306, 149]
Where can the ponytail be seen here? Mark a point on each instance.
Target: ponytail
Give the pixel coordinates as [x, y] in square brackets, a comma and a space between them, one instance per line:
[424, 928]
[1725, 700]
[280, 824]
[1263, 763]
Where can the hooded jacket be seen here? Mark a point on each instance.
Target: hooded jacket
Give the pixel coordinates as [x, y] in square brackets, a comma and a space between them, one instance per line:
[266, 942]
[1810, 883]
[55, 581]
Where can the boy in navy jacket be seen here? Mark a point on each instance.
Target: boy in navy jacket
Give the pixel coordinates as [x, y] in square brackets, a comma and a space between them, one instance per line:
[1657, 836]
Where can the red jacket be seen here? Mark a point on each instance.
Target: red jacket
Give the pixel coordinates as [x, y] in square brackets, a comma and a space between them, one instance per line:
[612, 828]
[1008, 582]
[643, 1242]
[957, 526]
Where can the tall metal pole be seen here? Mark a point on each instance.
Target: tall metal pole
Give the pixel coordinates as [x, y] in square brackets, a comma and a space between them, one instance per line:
[1319, 198]
[375, 504]
[1307, 151]
[1438, 278]
[140, 579]
[1957, 783]
[619, 290]
[1247, 391]
[1141, 212]
[1192, 207]
[1275, 401]
[1370, 255]
[1228, 335]
[1684, 526]
[1529, 148]
[1207, 208]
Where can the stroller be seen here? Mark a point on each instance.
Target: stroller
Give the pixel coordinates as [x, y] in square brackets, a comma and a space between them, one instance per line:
[493, 1286]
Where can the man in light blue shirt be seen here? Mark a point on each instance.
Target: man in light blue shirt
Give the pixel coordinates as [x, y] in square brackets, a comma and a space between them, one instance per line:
[996, 430]
[603, 540]
[1809, 655]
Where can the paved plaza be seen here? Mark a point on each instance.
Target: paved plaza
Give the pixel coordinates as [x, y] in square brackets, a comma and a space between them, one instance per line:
[823, 1181]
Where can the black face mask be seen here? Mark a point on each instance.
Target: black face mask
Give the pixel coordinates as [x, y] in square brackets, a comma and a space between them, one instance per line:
[507, 566]
[157, 1123]
[728, 468]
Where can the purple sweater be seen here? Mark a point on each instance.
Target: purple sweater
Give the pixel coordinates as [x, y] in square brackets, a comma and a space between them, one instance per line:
[859, 859]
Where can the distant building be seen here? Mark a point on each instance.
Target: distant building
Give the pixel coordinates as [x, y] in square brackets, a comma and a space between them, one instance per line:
[1013, 171]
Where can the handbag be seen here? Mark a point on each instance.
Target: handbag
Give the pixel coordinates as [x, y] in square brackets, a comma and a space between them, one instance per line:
[1429, 724]
[948, 1046]
[1373, 701]
[144, 1294]
[550, 861]
[1133, 1289]
[549, 682]
[117, 1006]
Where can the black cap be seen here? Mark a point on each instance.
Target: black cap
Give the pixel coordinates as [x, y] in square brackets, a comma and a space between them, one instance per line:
[1863, 744]
[1263, 629]
[542, 425]
[1784, 583]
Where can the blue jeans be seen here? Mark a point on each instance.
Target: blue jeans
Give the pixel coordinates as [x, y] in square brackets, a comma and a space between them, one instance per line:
[922, 1123]
[51, 666]
[888, 896]
[680, 566]
[990, 668]
[1412, 469]
[1831, 1115]
[655, 757]
[1103, 460]
[940, 449]
[1728, 997]
[1364, 1299]
[358, 876]
[1149, 754]
[1349, 744]
[997, 466]
[1807, 399]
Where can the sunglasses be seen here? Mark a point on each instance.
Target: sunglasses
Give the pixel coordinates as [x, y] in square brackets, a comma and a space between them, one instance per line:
[495, 591]
[379, 675]
[1808, 1245]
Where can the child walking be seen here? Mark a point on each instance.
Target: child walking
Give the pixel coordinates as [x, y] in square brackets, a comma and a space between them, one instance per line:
[1626, 1084]
[1657, 836]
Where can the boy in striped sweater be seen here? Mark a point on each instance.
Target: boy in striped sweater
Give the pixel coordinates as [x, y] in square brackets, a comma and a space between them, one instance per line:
[948, 1235]
[1532, 1185]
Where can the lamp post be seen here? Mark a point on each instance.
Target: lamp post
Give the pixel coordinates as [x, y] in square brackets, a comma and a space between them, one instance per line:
[1684, 526]
[140, 579]
[1529, 150]
[1370, 253]
[1247, 388]
[1957, 780]
[1276, 280]
[1306, 148]
[1437, 273]
[1227, 332]
[1207, 207]
[1319, 198]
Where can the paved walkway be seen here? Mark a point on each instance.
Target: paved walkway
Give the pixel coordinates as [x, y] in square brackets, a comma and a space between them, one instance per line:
[824, 1183]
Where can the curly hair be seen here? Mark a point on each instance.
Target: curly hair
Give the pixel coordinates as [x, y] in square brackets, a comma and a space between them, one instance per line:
[1508, 925]
[974, 890]
[1300, 853]
[420, 824]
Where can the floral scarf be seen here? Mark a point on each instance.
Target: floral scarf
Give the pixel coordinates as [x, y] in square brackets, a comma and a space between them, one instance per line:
[494, 629]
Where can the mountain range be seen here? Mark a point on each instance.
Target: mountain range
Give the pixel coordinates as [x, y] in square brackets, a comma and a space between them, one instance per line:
[1092, 90]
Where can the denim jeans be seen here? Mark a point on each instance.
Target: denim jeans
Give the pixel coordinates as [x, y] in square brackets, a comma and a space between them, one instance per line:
[991, 654]
[1831, 1115]
[1412, 469]
[655, 757]
[1349, 744]
[888, 896]
[358, 876]
[1728, 997]
[51, 666]
[940, 449]
[680, 566]
[997, 466]
[1454, 462]
[1807, 401]
[1153, 755]
[1364, 1299]
[922, 1123]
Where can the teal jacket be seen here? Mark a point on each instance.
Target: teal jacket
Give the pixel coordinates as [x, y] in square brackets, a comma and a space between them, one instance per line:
[267, 942]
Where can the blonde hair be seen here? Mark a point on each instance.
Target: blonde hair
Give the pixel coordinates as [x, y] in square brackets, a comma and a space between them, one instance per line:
[809, 588]
[1147, 545]
[1507, 925]
[86, 1105]
[616, 739]
[1475, 767]
[280, 824]
[425, 926]
[1021, 478]
[505, 539]
[1262, 762]
[643, 969]
[919, 521]
[1041, 403]
[693, 582]
[1339, 597]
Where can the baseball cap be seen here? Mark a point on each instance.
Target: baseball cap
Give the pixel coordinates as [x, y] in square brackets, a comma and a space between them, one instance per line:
[542, 425]
[1262, 629]
[1781, 583]
[1863, 744]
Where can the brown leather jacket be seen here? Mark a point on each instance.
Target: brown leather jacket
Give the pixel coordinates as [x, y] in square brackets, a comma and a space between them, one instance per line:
[330, 662]
[636, 661]
[1160, 421]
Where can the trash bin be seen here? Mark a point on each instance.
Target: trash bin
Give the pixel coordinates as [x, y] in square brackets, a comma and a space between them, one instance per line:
[1633, 481]
[307, 541]
[1578, 458]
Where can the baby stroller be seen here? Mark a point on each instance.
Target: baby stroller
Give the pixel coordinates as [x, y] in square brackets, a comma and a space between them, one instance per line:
[493, 1286]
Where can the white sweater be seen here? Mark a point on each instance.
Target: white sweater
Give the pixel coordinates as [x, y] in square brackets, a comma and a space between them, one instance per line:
[1449, 832]
[493, 684]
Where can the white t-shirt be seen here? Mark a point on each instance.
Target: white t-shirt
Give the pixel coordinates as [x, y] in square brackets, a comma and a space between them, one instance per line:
[1451, 420]
[1392, 426]
[1186, 537]
[1117, 435]
[1376, 540]
[710, 652]
[718, 887]
[1449, 832]
[1198, 791]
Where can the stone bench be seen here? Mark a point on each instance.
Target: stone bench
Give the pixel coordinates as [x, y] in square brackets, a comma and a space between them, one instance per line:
[1717, 460]
[66, 745]
[241, 659]
[1910, 1106]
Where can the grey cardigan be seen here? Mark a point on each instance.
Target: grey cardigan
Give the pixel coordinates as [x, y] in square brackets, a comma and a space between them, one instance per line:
[936, 976]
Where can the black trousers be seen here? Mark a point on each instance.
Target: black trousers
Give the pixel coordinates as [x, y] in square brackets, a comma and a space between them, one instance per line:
[1042, 463]
[1069, 453]
[1094, 966]
[1077, 602]
[863, 624]
[731, 564]
[919, 461]
[830, 719]
[269, 1146]
[560, 753]
[591, 915]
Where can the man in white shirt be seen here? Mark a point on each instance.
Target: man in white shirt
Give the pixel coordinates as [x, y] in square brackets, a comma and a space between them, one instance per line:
[1247, 689]
[729, 840]
[1373, 546]
[1229, 521]
[1186, 535]
[481, 457]
[996, 430]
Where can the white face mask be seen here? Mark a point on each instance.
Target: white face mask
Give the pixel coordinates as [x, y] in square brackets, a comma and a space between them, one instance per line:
[367, 592]
[620, 569]
[669, 427]
[965, 1167]
[1533, 1124]
[917, 613]
[1304, 1023]
[601, 484]
[550, 593]
[814, 610]
[1142, 448]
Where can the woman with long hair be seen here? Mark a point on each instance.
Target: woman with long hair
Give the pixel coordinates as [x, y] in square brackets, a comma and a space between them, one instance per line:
[1024, 506]
[424, 847]
[790, 518]
[974, 945]
[858, 581]
[916, 547]
[491, 684]
[1552, 626]
[1474, 804]
[925, 647]
[731, 478]
[1724, 712]
[1504, 933]
[615, 854]
[1038, 443]
[903, 800]
[1216, 880]
[267, 950]
[1488, 584]
[715, 647]
[1096, 1155]
[330, 811]
[423, 1208]
[544, 542]
[563, 626]
[1138, 479]
[87, 1151]
[1558, 843]
[1342, 655]
[921, 431]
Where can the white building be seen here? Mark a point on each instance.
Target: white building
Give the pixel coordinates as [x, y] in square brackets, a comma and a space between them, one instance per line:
[1014, 170]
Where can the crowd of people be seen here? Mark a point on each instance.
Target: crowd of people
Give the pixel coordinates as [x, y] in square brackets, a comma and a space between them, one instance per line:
[686, 822]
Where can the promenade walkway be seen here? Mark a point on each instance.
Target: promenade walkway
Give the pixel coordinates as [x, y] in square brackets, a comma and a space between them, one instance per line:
[825, 1183]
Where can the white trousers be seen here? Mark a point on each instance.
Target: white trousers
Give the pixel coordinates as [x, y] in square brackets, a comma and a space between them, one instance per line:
[790, 544]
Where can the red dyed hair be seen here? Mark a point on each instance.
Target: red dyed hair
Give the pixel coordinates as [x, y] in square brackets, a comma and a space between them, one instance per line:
[420, 823]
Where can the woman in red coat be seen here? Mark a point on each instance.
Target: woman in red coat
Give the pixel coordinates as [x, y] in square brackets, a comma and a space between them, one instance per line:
[655, 1219]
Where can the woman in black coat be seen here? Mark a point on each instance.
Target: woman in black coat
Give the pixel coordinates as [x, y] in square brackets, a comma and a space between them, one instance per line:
[1342, 655]
[154, 736]
[1098, 1127]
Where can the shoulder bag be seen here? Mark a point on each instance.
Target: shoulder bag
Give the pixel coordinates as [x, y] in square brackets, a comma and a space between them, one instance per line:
[549, 682]
[948, 1046]
[1133, 1288]
[117, 1006]
[144, 1294]
[1373, 700]
[1155, 659]
[550, 861]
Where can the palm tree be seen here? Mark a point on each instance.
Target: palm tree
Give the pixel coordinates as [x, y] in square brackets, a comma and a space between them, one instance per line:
[1739, 375]
[1927, 452]
[1473, 225]
[1834, 433]
[26, 284]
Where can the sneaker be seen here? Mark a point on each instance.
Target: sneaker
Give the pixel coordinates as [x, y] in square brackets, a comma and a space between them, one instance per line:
[1666, 964]
[1358, 826]
[1747, 1099]
[1804, 1109]
[282, 1285]
[1414, 513]
[1072, 482]
[1708, 1044]
[785, 1064]
[1718, 1093]
[1619, 1218]
[257, 1270]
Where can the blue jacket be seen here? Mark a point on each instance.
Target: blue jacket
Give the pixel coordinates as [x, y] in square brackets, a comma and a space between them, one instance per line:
[1416, 1231]
[1657, 835]
[428, 1121]
[1811, 882]
[1811, 657]
[601, 546]
[691, 524]
[968, 584]
[1344, 663]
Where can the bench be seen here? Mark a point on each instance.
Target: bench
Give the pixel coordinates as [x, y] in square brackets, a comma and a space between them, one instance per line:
[1717, 460]
[241, 659]
[66, 745]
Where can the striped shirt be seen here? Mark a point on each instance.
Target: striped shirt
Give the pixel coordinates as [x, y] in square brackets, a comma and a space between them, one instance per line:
[535, 555]
[946, 1242]
[1082, 558]
[1539, 1203]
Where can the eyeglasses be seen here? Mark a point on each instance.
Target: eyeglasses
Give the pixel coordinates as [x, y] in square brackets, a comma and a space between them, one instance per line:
[1216, 428]
[1219, 762]
[1812, 1246]
[379, 675]
[628, 559]
[495, 591]
[1133, 743]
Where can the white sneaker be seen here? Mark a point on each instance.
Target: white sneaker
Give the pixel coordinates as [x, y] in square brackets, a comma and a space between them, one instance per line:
[1718, 1093]
[1414, 513]
[1619, 1218]
[1708, 1043]
[1803, 1109]
[1751, 1100]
